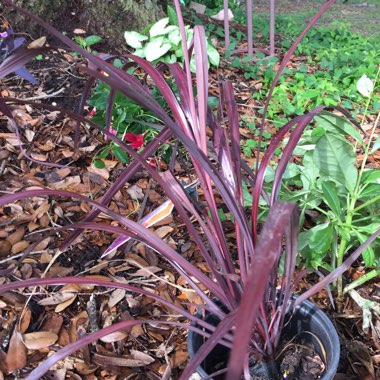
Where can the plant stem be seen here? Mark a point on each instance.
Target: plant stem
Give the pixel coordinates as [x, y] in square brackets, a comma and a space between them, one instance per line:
[361, 280]
[373, 200]
[341, 252]
[352, 203]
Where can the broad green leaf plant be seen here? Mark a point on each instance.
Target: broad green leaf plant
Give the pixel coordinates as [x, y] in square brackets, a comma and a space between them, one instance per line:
[163, 43]
[342, 199]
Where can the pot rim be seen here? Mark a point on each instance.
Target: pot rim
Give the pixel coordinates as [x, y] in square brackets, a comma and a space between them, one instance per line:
[310, 313]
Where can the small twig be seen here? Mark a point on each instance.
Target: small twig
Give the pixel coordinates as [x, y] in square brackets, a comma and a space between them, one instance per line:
[13, 257]
[141, 213]
[45, 96]
[2, 166]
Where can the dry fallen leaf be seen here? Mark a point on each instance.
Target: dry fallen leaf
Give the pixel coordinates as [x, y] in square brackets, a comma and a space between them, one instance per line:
[39, 157]
[116, 296]
[26, 317]
[79, 31]
[55, 299]
[136, 193]
[5, 248]
[16, 236]
[39, 42]
[163, 231]
[39, 339]
[65, 304]
[16, 355]
[136, 359]
[114, 337]
[20, 246]
[146, 272]
[104, 173]
[67, 182]
[136, 260]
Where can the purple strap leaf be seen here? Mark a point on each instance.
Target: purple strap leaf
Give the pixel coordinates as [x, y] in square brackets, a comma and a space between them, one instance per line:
[17, 61]
[267, 253]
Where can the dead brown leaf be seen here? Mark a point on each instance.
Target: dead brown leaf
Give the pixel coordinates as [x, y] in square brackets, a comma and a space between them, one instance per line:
[40, 339]
[116, 296]
[20, 246]
[16, 355]
[5, 248]
[55, 299]
[136, 359]
[163, 231]
[39, 42]
[114, 337]
[104, 173]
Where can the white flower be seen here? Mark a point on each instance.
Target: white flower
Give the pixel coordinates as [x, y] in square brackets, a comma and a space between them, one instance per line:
[365, 86]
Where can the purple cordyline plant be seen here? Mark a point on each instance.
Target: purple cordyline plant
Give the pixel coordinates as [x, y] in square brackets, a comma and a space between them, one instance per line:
[8, 46]
[247, 282]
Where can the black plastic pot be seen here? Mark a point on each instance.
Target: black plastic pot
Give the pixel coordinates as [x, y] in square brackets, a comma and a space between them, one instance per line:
[307, 322]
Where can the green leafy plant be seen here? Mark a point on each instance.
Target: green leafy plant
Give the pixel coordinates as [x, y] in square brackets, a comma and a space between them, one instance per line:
[343, 197]
[332, 62]
[163, 43]
[87, 42]
[127, 119]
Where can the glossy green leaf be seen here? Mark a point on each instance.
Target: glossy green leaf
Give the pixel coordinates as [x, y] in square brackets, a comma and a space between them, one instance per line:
[318, 239]
[213, 102]
[120, 154]
[160, 28]
[99, 163]
[368, 254]
[330, 195]
[372, 190]
[156, 48]
[133, 39]
[91, 40]
[309, 171]
[247, 196]
[335, 123]
[213, 55]
[292, 170]
[104, 152]
[335, 160]
[371, 176]
[175, 37]
[173, 19]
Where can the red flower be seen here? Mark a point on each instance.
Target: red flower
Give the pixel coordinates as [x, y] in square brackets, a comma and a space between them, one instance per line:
[136, 140]
[92, 112]
[152, 162]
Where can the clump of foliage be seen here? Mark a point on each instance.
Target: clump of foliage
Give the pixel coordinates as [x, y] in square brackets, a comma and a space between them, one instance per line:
[124, 118]
[87, 42]
[163, 43]
[334, 59]
[328, 183]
